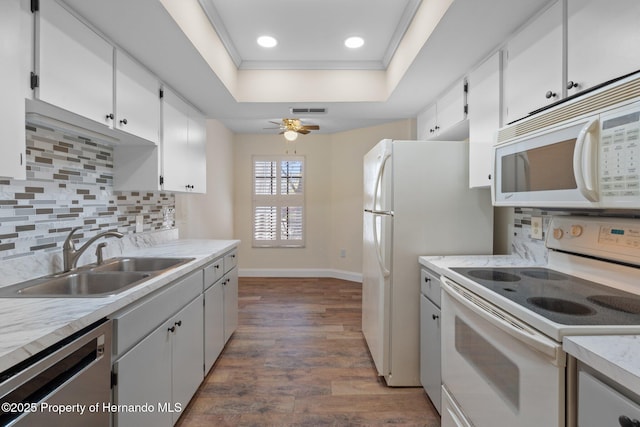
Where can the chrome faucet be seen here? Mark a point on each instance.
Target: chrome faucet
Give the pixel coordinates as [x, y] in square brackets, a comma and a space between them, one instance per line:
[69, 253]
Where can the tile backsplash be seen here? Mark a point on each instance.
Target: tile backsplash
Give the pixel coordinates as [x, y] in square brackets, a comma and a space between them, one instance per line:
[70, 184]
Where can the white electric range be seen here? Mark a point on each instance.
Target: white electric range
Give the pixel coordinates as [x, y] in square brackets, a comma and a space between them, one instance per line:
[502, 327]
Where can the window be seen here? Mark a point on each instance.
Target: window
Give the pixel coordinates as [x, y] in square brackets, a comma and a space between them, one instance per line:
[278, 201]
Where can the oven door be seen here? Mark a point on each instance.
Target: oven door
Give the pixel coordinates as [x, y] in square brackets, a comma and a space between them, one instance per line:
[500, 372]
[557, 168]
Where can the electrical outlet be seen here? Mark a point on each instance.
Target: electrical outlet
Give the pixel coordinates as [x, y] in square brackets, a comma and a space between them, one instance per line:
[536, 227]
[139, 223]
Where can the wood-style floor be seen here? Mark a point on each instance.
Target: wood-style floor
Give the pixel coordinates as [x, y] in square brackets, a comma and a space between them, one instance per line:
[298, 358]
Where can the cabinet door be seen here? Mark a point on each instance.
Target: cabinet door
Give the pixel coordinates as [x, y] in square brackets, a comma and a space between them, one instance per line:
[137, 99]
[533, 65]
[197, 152]
[602, 41]
[213, 324]
[188, 353]
[12, 107]
[175, 139]
[451, 108]
[426, 123]
[484, 119]
[430, 362]
[75, 65]
[144, 376]
[230, 303]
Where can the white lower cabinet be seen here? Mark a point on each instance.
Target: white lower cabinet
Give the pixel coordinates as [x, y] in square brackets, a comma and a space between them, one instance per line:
[430, 363]
[163, 371]
[230, 287]
[213, 324]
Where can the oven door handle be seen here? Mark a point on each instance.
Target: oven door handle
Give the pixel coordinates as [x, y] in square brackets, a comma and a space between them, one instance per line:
[504, 321]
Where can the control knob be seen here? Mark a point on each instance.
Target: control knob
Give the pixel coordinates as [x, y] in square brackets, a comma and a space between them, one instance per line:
[576, 230]
[558, 233]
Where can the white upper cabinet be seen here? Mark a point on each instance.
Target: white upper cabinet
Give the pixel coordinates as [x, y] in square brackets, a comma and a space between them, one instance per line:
[75, 65]
[183, 146]
[442, 119]
[13, 86]
[533, 65]
[603, 38]
[137, 108]
[484, 118]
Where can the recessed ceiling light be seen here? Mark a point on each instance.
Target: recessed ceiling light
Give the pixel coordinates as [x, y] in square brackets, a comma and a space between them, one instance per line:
[354, 42]
[267, 41]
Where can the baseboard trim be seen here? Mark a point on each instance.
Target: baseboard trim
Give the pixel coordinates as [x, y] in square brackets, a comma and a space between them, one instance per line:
[300, 272]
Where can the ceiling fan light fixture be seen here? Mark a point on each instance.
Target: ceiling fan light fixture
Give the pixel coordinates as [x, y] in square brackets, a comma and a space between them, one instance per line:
[267, 41]
[354, 42]
[291, 135]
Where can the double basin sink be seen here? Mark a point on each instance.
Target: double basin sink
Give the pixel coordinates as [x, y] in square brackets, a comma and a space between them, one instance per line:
[113, 276]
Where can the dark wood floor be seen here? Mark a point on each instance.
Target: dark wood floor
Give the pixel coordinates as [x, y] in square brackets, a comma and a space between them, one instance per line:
[298, 358]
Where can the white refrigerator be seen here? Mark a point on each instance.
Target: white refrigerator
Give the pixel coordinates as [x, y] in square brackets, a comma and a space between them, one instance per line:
[417, 202]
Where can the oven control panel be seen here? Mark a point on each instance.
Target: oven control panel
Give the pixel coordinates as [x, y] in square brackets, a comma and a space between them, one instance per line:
[615, 239]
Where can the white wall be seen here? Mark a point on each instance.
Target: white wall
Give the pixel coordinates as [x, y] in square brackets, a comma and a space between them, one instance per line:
[333, 201]
[210, 215]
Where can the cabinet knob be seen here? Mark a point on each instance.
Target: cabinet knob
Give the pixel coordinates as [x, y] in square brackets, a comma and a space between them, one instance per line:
[427, 279]
[123, 121]
[178, 323]
[172, 329]
[437, 127]
[431, 130]
[489, 176]
[550, 94]
[110, 116]
[435, 316]
[571, 84]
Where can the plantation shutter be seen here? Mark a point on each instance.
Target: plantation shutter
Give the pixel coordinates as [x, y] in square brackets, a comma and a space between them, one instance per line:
[278, 201]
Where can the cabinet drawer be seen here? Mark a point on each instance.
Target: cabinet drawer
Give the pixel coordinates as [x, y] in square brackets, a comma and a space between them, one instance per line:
[230, 260]
[134, 323]
[213, 272]
[430, 285]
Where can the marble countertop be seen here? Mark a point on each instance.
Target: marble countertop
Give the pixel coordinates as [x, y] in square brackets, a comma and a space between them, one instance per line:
[442, 264]
[615, 356]
[30, 325]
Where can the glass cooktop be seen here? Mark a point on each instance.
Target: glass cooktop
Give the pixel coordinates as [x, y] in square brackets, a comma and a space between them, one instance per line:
[559, 297]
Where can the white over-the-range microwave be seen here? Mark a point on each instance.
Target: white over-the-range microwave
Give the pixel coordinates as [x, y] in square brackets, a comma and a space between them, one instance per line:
[584, 153]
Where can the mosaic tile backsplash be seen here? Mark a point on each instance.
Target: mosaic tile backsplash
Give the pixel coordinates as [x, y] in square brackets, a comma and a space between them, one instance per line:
[70, 184]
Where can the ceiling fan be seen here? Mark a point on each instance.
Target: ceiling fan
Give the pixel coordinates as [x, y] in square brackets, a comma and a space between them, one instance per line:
[292, 127]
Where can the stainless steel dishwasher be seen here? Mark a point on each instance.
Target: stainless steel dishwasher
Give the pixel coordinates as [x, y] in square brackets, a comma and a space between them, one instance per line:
[68, 384]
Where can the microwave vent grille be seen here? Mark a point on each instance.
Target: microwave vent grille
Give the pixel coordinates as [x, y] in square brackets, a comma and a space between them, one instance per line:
[589, 104]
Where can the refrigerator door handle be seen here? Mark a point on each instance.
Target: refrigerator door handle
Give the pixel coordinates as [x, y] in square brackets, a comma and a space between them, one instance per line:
[376, 240]
[377, 212]
[383, 163]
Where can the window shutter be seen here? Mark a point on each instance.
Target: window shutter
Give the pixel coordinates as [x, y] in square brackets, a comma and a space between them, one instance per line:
[278, 201]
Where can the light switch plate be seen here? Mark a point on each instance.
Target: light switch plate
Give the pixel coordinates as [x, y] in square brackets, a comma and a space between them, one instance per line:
[536, 227]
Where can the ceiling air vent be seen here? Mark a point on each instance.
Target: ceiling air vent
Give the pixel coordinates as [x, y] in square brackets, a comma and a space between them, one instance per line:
[308, 110]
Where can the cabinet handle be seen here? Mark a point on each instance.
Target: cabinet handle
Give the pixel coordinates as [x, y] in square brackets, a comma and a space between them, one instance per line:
[172, 329]
[489, 176]
[435, 316]
[437, 127]
[431, 130]
[178, 323]
[110, 116]
[571, 84]
[427, 279]
[550, 95]
[123, 121]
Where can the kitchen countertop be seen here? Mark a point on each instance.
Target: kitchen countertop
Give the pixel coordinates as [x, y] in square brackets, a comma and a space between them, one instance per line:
[442, 264]
[30, 325]
[615, 356]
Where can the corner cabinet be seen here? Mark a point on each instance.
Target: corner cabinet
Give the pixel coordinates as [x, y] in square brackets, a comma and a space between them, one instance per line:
[14, 29]
[183, 146]
[445, 119]
[75, 65]
[533, 65]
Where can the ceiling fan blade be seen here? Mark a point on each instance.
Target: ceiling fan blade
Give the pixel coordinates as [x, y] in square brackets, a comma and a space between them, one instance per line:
[303, 131]
[311, 127]
[275, 123]
[271, 128]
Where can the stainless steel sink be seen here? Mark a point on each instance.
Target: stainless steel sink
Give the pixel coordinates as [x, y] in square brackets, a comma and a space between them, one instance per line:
[141, 264]
[114, 276]
[83, 284]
